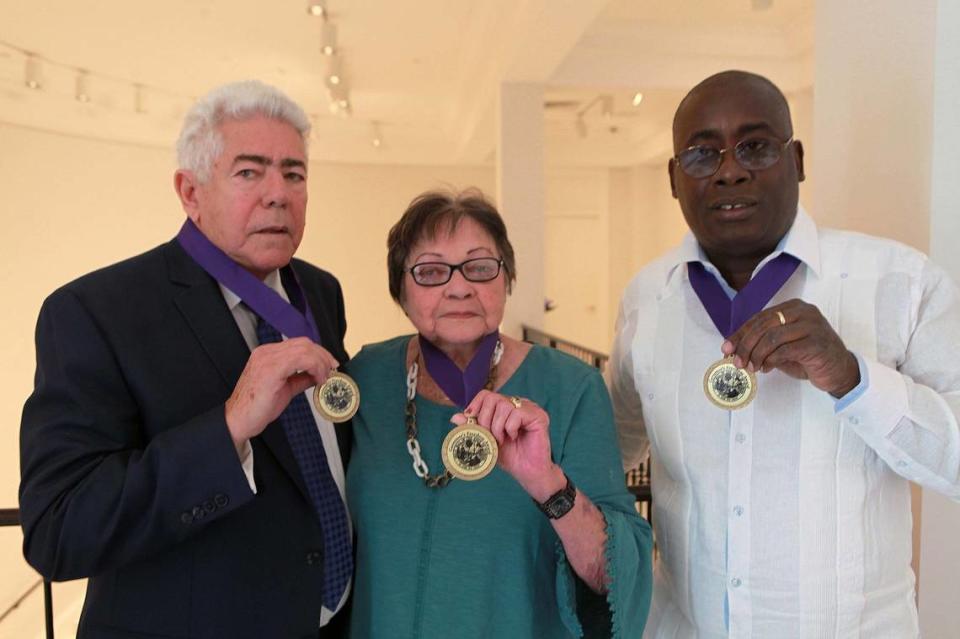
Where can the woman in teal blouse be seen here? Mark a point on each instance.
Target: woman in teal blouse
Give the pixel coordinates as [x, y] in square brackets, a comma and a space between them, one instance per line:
[548, 544]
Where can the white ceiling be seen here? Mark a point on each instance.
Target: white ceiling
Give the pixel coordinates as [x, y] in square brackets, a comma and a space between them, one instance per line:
[427, 71]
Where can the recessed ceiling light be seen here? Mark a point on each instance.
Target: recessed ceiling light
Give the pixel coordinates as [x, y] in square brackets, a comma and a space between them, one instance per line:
[637, 98]
[317, 8]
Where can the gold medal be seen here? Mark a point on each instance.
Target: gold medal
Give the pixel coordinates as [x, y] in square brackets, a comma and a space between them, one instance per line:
[729, 387]
[338, 398]
[469, 451]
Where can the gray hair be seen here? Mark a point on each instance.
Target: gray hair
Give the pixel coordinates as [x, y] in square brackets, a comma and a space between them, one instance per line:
[200, 141]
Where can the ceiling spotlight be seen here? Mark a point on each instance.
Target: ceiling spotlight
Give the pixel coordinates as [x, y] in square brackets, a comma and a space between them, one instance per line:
[606, 106]
[317, 8]
[339, 96]
[377, 139]
[334, 71]
[328, 38]
[33, 73]
[344, 108]
[637, 98]
[81, 89]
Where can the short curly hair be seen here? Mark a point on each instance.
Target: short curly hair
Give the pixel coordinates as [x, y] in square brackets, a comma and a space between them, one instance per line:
[441, 211]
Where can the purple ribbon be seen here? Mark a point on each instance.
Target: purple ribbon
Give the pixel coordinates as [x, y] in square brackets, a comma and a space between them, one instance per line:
[459, 386]
[292, 320]
[729, 315]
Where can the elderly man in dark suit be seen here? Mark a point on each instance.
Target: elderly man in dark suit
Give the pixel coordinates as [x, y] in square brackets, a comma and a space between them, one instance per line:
[168, 452]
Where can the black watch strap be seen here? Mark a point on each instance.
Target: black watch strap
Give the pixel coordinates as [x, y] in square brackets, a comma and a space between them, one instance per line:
[560, 502]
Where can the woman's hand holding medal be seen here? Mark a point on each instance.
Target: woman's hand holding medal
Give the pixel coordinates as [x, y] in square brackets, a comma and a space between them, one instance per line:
[796, 338]
[522, 430]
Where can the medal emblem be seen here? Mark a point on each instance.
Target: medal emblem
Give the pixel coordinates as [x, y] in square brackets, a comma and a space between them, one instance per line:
[469, 451]
[338, 398]
[729, 387]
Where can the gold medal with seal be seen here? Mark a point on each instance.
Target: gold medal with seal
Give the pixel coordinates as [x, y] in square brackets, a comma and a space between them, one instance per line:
[338, 398]
[469, 451]
[729, 387]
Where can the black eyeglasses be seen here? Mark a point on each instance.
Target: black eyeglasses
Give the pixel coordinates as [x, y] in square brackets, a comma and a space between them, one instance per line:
[480, 269]
[753, 154]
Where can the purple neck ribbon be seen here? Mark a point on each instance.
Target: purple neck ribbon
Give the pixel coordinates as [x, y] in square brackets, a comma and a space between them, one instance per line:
[460, 386]
[291, 319]
[729, 314]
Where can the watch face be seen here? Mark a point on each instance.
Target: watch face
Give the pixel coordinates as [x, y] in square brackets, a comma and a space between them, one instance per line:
[559, 505]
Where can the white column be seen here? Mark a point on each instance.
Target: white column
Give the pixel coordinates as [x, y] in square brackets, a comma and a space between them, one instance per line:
[939, 547]
[887, 153]
[520, 197]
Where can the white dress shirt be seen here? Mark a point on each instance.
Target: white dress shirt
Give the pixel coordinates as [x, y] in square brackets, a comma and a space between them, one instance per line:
[791, 517]
[247, 323]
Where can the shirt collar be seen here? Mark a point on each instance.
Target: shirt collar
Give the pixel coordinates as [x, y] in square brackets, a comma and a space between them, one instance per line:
[801, 241]
[272, 280]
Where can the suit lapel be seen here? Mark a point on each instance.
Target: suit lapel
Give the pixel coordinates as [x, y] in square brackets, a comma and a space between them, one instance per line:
[202, 306]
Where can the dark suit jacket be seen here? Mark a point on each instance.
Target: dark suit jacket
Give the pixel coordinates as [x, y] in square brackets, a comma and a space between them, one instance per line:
[130, 478]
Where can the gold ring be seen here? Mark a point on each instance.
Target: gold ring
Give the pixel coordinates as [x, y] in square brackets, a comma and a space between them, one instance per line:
[783, 320]
[515, 401]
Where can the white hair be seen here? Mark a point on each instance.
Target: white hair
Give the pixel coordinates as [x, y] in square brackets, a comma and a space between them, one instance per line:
[200, 141]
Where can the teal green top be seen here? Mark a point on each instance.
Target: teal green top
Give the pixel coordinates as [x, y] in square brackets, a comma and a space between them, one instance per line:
[478, 559]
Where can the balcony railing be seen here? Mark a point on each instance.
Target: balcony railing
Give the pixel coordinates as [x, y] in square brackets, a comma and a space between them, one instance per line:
[11, 517]
[588, 355]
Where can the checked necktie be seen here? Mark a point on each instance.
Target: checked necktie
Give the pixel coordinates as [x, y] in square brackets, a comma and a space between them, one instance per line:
[304, 438]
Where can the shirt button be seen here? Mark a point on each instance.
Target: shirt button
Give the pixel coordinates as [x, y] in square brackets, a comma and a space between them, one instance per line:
[854, 420]
[902, 464]
[738, 510]
[740, 438]
[843, 276]
[659, 297]
[735, 582]
[650, 397]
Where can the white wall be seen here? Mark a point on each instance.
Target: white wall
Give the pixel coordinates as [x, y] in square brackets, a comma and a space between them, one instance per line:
[602, 226]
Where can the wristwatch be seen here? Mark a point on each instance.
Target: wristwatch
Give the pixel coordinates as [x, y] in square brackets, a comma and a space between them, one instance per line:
[560, 503]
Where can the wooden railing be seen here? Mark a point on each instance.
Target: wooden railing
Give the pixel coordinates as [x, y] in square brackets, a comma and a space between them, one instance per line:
[638, 479]
[11, 517]
[588, 355]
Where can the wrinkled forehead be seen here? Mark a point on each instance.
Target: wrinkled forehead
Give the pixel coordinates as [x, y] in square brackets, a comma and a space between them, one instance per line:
[730, 109]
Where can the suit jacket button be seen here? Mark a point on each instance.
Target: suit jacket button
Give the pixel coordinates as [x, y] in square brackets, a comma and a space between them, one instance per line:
[209, 506]
[221, 500]
[186, 517]
[199, 513]
[314, 558]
